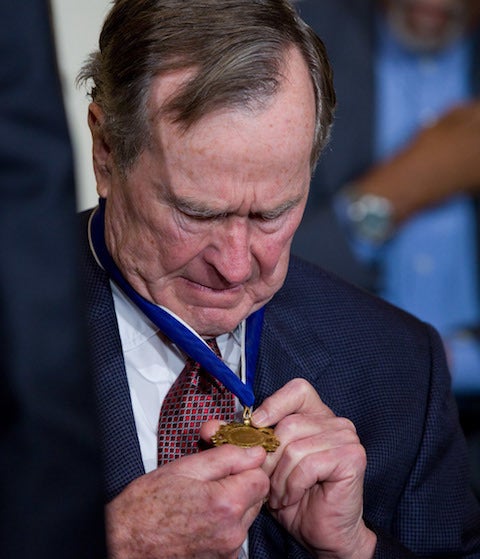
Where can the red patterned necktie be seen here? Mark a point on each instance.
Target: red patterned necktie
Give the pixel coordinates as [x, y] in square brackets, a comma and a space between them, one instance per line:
[194, 398]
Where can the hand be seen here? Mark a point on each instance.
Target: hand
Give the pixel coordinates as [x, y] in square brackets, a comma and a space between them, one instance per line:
[443, 160]
[316, 475]
[199, 506]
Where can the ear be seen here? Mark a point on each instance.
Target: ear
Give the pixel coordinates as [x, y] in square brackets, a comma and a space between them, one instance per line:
[101, 151]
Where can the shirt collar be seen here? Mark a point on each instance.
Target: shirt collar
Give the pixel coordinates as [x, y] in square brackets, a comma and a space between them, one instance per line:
[136, 328]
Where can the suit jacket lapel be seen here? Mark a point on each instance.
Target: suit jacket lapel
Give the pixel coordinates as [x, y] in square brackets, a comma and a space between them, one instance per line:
[279, 357]
[279, 361]
[121, 449]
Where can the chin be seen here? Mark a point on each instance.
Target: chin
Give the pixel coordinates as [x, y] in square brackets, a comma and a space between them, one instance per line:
[212, 322]
[214, 329]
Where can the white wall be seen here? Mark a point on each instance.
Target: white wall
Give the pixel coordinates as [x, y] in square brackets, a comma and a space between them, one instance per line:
[77, 26]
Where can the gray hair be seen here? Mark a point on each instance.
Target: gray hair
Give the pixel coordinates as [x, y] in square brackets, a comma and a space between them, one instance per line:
[237, 48]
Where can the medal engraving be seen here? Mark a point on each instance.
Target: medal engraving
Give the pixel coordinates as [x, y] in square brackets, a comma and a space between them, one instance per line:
[245, 435]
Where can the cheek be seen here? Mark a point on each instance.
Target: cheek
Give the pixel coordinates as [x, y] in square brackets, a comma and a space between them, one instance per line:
[274, 251]
[177, 245]
[270, 252]
[277, 253]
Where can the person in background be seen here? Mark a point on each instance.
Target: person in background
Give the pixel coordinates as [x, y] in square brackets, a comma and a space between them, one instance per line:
[50, 469]
[207, 119]
[394, 201]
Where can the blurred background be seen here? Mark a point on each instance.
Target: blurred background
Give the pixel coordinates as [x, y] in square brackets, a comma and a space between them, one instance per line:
[77, 26]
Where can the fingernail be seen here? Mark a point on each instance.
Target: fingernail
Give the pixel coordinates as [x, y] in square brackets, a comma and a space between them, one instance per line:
[260, 418]
[273, 503]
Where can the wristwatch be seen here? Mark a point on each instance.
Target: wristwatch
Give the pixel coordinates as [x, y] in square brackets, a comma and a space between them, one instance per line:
[370, 216]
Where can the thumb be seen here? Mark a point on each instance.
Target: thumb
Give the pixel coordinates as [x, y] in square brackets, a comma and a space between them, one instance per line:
[209, 428]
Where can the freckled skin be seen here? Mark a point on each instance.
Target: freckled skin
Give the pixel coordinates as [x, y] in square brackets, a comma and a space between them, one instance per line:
[204, 221]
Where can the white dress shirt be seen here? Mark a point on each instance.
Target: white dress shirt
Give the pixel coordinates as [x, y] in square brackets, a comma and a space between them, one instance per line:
[153, 363]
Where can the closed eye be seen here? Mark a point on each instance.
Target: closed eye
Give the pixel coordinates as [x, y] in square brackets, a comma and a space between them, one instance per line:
[276, 213]
[204, 216]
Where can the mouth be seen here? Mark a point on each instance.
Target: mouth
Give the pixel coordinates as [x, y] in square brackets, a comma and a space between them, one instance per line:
[213, 290]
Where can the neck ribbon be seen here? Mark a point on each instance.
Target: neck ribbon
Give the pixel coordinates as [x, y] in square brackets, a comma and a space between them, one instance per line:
[177, 331]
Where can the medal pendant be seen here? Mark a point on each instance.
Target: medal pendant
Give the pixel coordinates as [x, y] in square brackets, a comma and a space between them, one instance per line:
[246, 435]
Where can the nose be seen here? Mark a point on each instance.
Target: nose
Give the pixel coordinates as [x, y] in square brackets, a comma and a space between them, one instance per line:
[232, 252]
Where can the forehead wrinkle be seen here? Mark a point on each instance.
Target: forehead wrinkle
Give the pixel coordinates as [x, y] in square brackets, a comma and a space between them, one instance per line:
[233, 183]
[200, 166]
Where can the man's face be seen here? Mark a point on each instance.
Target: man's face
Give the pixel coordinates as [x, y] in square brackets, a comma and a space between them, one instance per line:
[204, 220]
[429, 25]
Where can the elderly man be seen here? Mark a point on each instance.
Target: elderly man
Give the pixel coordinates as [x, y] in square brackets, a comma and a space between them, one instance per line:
[207, 119]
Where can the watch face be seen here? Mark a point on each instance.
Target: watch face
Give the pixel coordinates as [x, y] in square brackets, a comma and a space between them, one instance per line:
[371, 217]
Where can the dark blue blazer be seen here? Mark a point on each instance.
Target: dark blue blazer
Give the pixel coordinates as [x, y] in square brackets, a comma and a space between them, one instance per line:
[374, 364]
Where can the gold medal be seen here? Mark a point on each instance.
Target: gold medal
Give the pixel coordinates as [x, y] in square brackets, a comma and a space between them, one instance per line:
[246, 435]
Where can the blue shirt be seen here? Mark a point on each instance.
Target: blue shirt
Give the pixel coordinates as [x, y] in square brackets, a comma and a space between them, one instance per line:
[429, 267]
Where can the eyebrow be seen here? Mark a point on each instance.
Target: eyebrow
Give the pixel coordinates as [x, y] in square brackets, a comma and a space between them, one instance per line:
[196, 209]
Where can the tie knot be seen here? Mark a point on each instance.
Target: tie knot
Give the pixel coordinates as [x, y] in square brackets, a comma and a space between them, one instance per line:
[199, 376]
[212, 344]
